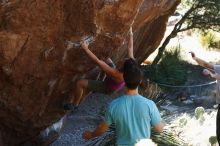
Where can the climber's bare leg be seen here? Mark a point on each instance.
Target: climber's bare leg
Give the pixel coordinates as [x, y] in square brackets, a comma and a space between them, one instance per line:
[81, 86]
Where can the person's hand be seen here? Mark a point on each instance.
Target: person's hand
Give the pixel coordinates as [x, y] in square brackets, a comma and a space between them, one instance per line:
[84, 44]
[206, 72]
[87, 135]
[192, 54]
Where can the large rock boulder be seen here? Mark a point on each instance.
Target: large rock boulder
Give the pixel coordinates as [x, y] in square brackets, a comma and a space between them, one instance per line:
[37, 70]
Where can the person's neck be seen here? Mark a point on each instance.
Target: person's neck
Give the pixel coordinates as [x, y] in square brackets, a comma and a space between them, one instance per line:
[131, 91]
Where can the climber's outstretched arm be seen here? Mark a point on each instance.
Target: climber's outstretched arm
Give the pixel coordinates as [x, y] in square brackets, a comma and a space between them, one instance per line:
[202, 62]
[130, 44]
[104, 66]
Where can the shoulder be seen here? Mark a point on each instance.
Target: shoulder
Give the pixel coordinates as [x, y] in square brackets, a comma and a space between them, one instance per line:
[115, 104]
[116, 101]
[147, 101]
[144, 98]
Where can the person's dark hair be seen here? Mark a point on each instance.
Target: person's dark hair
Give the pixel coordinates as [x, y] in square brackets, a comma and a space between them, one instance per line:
[133, 74]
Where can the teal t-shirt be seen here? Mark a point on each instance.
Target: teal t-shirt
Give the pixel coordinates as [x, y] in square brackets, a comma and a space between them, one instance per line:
[133, 117]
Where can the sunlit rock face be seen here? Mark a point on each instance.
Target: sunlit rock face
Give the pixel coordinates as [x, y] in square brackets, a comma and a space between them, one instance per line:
[37, 71]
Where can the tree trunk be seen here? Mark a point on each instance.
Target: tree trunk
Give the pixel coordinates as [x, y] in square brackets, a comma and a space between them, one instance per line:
[163, 47]
[176, 29]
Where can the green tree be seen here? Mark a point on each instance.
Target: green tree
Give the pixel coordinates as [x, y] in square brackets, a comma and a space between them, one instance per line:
[200, 14]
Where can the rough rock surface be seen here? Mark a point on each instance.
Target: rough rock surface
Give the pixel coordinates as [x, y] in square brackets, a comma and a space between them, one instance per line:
[37, 71]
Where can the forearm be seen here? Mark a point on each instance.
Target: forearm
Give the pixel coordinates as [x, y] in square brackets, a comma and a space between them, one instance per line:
[101, 128]
[203, 63]
[92, 56]
[130, 46]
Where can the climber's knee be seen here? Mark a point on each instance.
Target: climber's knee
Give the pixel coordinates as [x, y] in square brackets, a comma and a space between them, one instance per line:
[82, 83]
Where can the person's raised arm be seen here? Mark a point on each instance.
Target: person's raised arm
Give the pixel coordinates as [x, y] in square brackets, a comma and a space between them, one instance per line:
[90, 54]
[130, 44]
[100, 129]
[202, 62]
[104, 66]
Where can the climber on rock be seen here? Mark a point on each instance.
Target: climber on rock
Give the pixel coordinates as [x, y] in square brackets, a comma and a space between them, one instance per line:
[112, 83]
